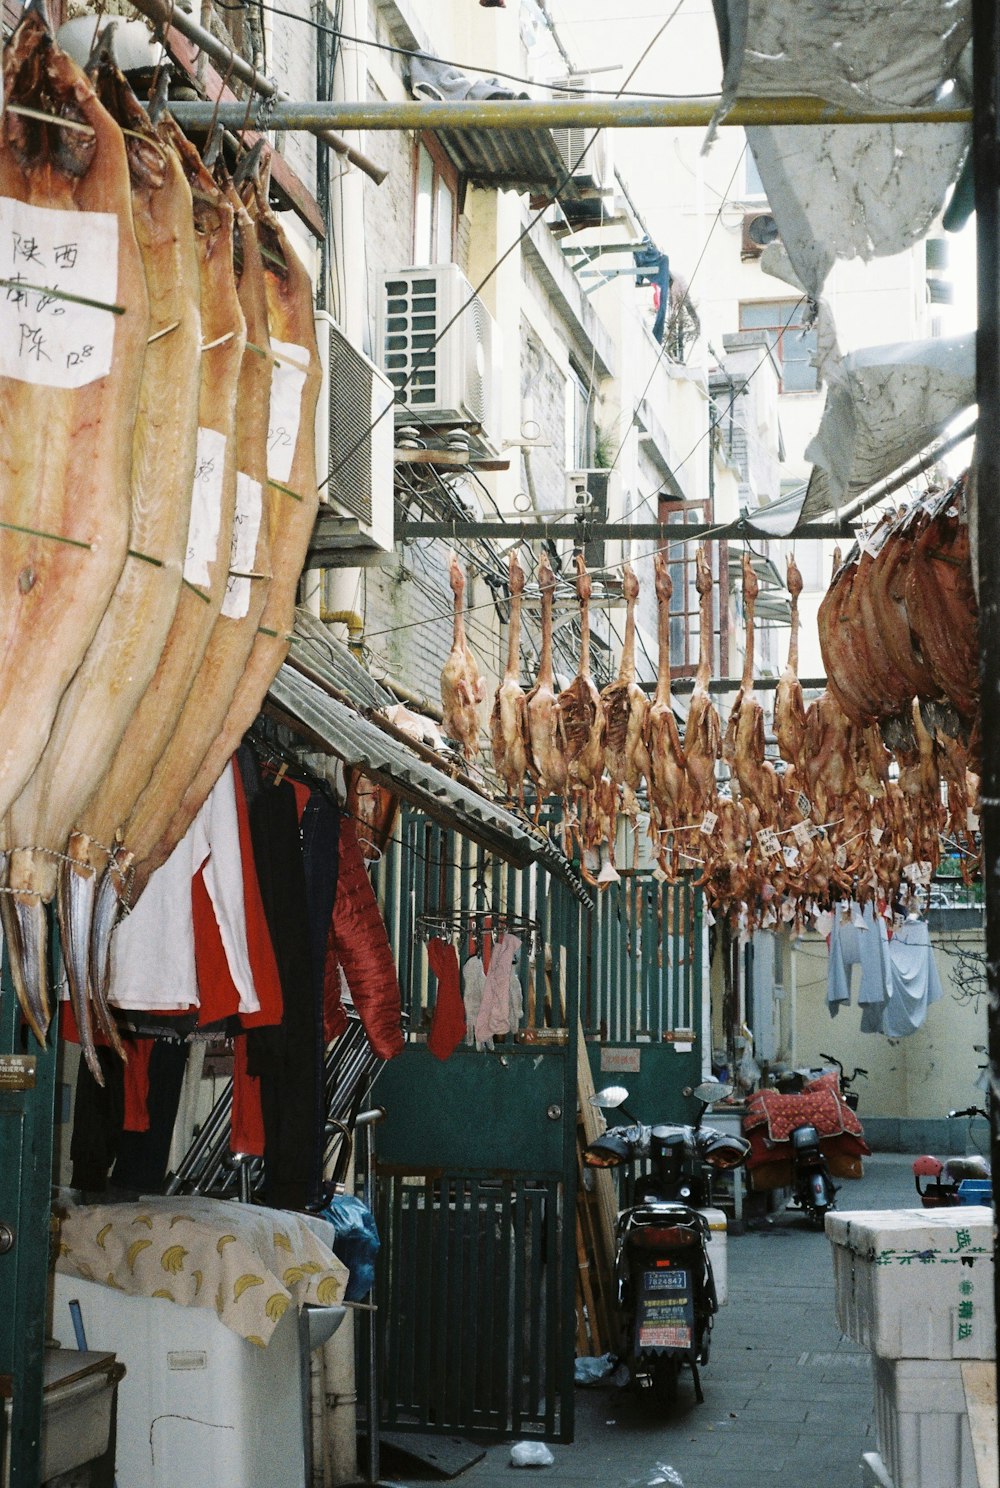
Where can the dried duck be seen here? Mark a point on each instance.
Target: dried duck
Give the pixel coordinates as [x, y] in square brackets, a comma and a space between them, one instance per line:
[509, 719]
[462, 687]
[626, 707]
[581, 716]
[757, 777]
[547, 759]
[703, 734]
[667, 778]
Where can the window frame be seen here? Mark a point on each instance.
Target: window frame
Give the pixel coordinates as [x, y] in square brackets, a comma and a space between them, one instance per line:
[778, 329]
[443, 173]
[685, 601]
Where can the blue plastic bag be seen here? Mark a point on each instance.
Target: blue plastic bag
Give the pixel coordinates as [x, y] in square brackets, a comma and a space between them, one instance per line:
[357, 1243]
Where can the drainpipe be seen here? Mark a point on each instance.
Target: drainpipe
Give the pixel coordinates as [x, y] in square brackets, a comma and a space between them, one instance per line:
[355, 626]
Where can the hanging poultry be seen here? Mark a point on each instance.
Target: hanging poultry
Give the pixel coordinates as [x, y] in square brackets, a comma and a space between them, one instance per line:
[941, 601]
[703, 735]
[849, 667]
[70, 375]
[667, 777]
[509, 719]
[581, 714]
[626, 707]
[462, 687]
[789, 707]
[757, 777]
[547, 757]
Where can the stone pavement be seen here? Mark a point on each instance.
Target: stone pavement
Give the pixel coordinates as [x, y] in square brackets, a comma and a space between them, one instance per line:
[787, 1397]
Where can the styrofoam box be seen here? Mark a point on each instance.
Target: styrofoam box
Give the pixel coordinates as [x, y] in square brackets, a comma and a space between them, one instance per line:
[922, 1425]
[915, 1283]
[717, 1251]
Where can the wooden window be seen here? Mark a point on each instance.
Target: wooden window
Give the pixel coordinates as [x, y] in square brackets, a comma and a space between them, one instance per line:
[685, 612]
[792, 343]
[434, 205]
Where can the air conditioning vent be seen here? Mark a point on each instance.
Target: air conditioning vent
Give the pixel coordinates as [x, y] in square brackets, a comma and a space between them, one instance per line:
[589, 163]
[440, 350]
[759, 229]
[355, 436]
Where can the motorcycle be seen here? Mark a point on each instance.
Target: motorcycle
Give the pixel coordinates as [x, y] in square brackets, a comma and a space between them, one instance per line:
[665, 1286]
[813, 1190]
[943, 1180]
[852, 1097]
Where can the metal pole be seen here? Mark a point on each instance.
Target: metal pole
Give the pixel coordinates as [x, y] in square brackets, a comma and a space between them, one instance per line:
[609, 531]
[986, 152]
[166, 13]
[562, 113]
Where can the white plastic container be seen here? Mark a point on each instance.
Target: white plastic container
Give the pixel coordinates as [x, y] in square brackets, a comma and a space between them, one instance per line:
[915, 1283]
[922, 1425]
[717, 1251]
[198, 1404]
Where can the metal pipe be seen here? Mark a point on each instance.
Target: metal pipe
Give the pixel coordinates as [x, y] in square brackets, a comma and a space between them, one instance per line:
[560, 113]
[613, 531]
[166, 13]
[986, 154]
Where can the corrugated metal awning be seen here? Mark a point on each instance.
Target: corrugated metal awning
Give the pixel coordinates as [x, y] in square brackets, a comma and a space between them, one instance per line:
[509, 159]
[340, 729]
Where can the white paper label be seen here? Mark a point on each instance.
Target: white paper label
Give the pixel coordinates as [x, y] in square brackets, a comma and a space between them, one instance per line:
[206, 506]
[44, 338]
[285, 411]
[877, 833]
[918, 873]
[246, 530]
[840, 856]
[804, 804]
[769, 844]
[971, 820]
[791, 855]
[709, 823]
[802, 832]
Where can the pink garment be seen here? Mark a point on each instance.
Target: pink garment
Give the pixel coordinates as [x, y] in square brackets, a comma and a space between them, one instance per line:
[493, 1017]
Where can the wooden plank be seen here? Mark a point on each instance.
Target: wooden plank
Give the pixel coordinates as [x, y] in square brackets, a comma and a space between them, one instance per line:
[303, 203]
[979, 1378]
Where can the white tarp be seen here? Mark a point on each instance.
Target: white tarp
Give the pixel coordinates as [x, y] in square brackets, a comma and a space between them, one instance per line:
[850, 191]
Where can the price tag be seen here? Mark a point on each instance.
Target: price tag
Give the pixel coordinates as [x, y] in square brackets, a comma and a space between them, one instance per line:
[877, 834]
[769, 844]
[709, 823]
[971, 820]
[48, 338]
[802, 832]
[804, 804]
[205, 521]
[288, 378]
[840, 856]
[918, 873]
[790, 854]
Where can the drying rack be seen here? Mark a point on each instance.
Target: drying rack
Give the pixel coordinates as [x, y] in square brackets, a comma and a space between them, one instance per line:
[456, 925]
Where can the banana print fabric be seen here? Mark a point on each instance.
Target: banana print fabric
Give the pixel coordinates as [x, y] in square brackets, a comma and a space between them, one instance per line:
[247, 1263]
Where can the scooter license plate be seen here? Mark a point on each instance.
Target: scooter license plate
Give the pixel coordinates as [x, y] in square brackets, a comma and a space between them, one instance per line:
[666, 1310]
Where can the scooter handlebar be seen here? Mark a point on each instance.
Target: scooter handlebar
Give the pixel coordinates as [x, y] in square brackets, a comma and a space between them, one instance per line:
[969, 1111]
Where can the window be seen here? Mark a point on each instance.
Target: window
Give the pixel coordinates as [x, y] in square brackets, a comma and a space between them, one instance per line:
[578, 423]
[792, 344]
[434, 206]
[685, 601]
[753, 186]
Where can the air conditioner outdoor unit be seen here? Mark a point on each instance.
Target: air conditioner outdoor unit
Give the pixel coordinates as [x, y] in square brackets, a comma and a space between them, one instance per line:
[759, 229]
[590, 162]
[355, 436]
[440, 348]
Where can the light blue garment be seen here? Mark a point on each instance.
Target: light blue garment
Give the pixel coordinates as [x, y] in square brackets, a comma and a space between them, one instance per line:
[851, 946]
[915, 983]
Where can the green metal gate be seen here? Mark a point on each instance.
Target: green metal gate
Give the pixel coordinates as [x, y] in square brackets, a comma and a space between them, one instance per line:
[27, 1100]
[477, 1158]
[642, 1010]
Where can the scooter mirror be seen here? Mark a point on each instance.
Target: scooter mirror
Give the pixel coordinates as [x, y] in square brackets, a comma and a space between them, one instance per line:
[711, 1091]
[609, 1098]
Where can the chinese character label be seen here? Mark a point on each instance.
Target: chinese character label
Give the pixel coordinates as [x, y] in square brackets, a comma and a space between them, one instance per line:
[804, 804]
[288, 378]
[47, 257]
[802, 832]
[206, 506]
[708, 823]
[769, 844]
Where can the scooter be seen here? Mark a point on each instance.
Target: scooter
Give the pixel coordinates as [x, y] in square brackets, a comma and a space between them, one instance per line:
[852, 1097]
[665, 1286]
[943, 1180]
[813, 1190]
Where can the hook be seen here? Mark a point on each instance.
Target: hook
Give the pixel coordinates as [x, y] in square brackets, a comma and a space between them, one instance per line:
[213, 147]
[247, 166]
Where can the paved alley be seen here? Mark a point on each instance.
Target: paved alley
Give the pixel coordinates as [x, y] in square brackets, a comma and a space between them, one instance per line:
[787, 1398]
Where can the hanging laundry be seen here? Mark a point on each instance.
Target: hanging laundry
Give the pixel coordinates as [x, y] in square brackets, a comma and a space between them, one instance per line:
[448, 1022]
[153, 963]
[473, 982]
[493, 1018]
[850, 946]
[915, 983]
[141, 1165]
